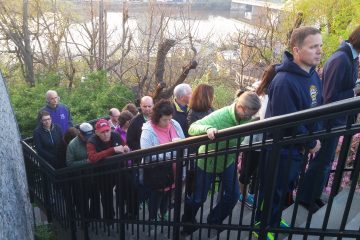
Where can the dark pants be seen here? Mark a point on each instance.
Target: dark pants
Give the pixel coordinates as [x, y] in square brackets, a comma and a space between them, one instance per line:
[289, 168]
[318, 171]
[127, 194]
[89, 192]
[228, 199]
[249, 164]
[106, 187]
[158, 200]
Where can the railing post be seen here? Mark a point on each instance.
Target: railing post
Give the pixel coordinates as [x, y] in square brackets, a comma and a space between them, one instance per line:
[47, 201]
[341, 165]
[178, 192]
[271, 181]
[122, 182]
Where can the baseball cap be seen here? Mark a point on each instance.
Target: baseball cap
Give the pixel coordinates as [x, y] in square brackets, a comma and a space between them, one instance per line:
[86, 130]
[102, 125]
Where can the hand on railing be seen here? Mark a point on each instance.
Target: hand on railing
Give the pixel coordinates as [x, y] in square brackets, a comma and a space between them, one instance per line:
[316, 148]
[121, 149]
[211, 133]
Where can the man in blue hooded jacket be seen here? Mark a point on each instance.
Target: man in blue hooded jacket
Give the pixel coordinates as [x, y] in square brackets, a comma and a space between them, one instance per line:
[295, 87]
[339, 77]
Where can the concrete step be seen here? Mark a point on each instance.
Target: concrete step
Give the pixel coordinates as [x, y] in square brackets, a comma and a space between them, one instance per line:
[301, 215]
[235, 220]
[354, 224]
[336, 214]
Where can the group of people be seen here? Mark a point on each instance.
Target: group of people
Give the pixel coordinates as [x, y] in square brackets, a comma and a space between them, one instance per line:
[288, 87]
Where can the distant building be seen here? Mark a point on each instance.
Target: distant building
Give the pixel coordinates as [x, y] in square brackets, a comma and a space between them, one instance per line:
[252, 9]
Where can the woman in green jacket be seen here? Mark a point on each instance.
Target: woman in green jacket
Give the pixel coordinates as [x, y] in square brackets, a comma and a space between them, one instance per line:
[223, 166]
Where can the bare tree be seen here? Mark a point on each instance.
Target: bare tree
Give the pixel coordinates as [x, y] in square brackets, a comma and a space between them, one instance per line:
[19, 35]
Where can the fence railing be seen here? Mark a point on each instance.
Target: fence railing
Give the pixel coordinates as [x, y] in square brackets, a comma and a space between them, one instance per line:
[115, 196]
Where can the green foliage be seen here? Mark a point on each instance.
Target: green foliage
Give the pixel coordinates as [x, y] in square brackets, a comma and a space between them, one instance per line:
[336, 19]
[44, 232]
[224, 93]
[87, 100]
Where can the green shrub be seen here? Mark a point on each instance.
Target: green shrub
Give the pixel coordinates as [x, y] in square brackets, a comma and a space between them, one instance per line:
[44, 232]
[87, 100]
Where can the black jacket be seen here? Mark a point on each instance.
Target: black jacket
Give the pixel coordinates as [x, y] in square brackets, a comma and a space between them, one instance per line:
[193, 116]
[47, 142]
[134, 132]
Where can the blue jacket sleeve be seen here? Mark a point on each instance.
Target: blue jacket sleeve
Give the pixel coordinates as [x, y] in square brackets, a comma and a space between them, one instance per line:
[334, 81]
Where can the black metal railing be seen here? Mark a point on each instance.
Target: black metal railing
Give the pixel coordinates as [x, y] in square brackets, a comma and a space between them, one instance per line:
[111, 197]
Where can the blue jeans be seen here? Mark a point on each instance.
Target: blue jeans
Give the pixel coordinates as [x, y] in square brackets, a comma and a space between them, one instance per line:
[228, 200]
[318, 171]
[288, 172]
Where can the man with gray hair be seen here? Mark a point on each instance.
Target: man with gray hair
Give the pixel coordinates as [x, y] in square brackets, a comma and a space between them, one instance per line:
[114, 115]
[60, 114]
[182, 95]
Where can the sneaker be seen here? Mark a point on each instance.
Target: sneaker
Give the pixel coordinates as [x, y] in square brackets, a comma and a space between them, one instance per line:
[312, 208]
[319, 202]
[249, 201]
[269, 235]
[284, 224]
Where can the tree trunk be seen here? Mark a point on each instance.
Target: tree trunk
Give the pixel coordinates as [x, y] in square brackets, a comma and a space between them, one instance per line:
[27, 55]
[298, 21]
[15, 210]
[160, 94]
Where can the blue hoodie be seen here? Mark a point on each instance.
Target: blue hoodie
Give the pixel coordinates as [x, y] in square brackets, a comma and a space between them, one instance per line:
[339, 77]
[293, 90]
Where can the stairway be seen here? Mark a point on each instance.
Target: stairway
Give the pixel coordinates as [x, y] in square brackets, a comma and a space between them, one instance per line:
[165, 232]
[336, 214]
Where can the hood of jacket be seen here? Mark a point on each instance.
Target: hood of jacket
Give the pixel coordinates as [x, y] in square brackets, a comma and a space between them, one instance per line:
[288, 65]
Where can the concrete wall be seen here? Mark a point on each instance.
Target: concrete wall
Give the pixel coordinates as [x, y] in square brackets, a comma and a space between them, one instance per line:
[15, 207]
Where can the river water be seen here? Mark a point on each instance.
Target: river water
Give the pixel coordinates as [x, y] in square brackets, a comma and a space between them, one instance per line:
[212, 27]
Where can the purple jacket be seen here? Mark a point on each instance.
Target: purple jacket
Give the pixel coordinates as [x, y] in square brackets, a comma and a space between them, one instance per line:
[122, 133]
[61, 116]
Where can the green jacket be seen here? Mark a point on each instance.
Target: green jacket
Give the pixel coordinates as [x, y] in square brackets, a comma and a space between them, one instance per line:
[220, 119]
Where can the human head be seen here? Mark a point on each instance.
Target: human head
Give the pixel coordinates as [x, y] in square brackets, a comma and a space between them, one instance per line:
[86, 131]
[146, 105]
[44, 119]
[306, 46]
[52, 98]
[266, 79]
[247, 104]
[114, 114]
[202, 98]
[124, 119]
[354, 39]
[182, 93]
[70, 134]
[162, 113]
[131, 108]
[103, 130]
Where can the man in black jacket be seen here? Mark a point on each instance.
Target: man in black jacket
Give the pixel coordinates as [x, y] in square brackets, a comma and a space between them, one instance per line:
[134, 131]
[339, 76]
